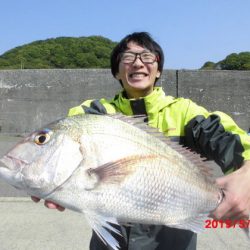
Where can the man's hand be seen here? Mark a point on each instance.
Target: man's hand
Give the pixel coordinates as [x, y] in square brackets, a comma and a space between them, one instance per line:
[49, 204]
[236, 187]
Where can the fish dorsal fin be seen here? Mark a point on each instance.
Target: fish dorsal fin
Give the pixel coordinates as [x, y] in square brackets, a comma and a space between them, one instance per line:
[139, 121]
[116, 171]
[103, 226]
[135, 120]
[208, 168]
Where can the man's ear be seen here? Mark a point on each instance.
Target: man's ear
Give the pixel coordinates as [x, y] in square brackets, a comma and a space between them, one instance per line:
[117, 76]
[158, 74]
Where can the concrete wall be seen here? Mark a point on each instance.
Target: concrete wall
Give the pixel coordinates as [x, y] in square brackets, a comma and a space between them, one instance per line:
[30, 99]
[227, 91]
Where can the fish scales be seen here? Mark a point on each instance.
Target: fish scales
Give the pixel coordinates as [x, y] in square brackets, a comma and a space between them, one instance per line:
[148, 199]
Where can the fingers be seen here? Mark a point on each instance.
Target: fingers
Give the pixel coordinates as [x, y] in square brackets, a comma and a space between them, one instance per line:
[236, 213]
[222, 182]
[230, 208]
[53, 205]
[48, 204]
[223, 213]
[35, 199]
[236, 188]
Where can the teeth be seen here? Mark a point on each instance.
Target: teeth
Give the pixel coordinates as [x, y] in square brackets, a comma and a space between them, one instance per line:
[138, 75]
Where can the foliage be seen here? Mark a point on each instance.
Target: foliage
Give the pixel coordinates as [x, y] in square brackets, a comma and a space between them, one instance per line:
[233, 61]
[208, 65]
[61, 52]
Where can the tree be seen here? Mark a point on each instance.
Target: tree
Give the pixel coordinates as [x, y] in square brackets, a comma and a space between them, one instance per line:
[208, 65]
[61, 52]
[233, 61]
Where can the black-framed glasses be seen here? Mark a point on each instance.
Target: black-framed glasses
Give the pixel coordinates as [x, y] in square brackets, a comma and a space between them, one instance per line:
[145, 57]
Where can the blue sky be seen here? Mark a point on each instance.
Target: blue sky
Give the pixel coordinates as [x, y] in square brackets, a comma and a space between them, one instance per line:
[190, 32]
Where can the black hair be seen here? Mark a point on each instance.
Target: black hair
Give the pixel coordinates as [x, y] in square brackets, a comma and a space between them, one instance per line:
[143, 39]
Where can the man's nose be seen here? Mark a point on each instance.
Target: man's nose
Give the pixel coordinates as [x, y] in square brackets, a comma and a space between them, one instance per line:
[138, 61]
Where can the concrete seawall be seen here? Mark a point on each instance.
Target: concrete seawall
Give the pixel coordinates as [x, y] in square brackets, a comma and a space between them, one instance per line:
[31, 98]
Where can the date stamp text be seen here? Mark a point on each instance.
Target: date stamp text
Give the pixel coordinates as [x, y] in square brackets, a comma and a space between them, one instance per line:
[212, 223]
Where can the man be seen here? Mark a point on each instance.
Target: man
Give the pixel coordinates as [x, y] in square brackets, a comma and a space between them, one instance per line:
[137, 63]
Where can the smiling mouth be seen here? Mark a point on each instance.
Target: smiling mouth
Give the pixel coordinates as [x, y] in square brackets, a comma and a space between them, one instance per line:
[137, 75]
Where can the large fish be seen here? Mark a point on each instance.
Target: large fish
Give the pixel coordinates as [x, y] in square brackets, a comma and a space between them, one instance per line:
[115, 170]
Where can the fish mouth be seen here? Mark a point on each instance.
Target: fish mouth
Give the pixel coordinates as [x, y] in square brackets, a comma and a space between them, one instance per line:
[3, 163]
[11, 163]
[10, 171]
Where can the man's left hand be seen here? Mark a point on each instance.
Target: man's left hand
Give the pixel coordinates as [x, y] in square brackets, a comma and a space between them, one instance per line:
[236, 188]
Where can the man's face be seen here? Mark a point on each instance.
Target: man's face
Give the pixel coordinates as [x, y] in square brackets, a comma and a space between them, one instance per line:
[138, 78]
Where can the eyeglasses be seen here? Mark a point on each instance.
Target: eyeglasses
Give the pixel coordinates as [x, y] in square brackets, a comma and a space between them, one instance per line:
[145, 57]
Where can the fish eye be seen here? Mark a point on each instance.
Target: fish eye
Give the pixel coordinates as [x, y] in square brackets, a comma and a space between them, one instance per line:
[42, 138]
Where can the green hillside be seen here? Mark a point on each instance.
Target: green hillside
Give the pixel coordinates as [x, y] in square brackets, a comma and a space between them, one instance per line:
[87, 52]
[61, 52]
[233, 61]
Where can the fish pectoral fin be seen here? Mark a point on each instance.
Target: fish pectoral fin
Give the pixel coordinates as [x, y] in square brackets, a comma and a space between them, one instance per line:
[117, 171]
[103, 227]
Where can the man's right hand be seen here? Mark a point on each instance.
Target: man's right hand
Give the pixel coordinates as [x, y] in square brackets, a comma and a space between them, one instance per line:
[49, 204]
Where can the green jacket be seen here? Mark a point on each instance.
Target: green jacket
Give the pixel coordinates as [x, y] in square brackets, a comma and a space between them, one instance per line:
[209, 133]
[213, 134]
